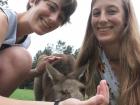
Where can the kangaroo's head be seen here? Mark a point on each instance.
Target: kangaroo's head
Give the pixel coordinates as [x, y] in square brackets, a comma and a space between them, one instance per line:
[65, 85]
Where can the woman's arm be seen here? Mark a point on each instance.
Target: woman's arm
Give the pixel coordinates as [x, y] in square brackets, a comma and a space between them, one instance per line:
[101, 98]
[41, 66]
[9, 101]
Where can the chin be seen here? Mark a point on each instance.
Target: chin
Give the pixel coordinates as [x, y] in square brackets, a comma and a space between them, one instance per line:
[40, 32]
[105, 40]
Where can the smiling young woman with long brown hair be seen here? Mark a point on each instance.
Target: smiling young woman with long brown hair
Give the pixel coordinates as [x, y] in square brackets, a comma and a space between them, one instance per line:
[111, 50]
[41, 17]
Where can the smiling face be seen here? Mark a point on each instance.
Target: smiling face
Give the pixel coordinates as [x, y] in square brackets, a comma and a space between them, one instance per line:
[45, 16]
[107, 19]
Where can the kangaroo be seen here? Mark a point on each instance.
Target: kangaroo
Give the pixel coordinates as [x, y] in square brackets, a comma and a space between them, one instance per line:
[57, 83]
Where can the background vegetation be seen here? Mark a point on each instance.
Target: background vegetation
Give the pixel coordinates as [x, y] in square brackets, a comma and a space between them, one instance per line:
[23, 94]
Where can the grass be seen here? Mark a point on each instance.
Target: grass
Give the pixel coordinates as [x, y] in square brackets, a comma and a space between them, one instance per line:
[23, 94]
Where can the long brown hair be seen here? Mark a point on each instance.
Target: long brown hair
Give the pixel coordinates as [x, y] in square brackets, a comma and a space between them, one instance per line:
[129, 56]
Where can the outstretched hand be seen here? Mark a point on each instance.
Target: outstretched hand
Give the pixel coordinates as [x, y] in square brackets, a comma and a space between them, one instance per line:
[101, 97]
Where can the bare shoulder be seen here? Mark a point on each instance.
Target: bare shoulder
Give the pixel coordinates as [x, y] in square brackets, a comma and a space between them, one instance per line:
[3, 25]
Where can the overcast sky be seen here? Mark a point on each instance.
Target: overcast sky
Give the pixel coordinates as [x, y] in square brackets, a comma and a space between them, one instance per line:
[72, 34]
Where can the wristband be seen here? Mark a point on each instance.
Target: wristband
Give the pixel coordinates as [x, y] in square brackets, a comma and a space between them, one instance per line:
[56, 102]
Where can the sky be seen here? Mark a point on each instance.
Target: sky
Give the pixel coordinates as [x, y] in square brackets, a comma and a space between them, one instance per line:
[71, 33]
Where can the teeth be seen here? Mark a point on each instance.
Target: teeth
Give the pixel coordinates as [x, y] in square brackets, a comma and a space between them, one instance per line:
[44, 22]
[104, 28]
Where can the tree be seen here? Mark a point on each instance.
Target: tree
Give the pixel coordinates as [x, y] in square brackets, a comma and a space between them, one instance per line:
[48, 51]
[76, 52]
[36, 58]
[4, 3]
[68, 50]
[60, 47]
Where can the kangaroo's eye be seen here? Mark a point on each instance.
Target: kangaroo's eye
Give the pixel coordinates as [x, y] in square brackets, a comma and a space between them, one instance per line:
[83, 90]
[64, 91]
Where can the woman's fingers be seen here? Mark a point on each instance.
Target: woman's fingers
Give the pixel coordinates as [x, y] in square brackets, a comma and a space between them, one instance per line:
[103, 90]
[53, 58]
[43, 61]
[50, 59]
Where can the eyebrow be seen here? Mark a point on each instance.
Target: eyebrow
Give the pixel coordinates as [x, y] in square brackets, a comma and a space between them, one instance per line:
[54, 3]
[112, 6]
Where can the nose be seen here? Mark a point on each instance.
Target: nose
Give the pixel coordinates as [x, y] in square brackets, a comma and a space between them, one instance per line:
[103, 18]
[53, 18]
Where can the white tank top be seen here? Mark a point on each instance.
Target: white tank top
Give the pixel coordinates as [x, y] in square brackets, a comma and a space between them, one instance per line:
[12, 29]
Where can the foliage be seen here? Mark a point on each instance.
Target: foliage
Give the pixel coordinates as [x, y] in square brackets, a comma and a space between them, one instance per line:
[47, 51]
[68, 50]
[60, 46]
[76, 52]
[23, 94]
[4, 3]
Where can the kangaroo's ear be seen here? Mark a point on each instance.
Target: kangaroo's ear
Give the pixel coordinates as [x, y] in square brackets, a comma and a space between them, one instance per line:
[79, 74]
[54, 74]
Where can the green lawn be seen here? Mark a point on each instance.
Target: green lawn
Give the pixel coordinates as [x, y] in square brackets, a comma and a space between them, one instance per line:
[23, 94]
